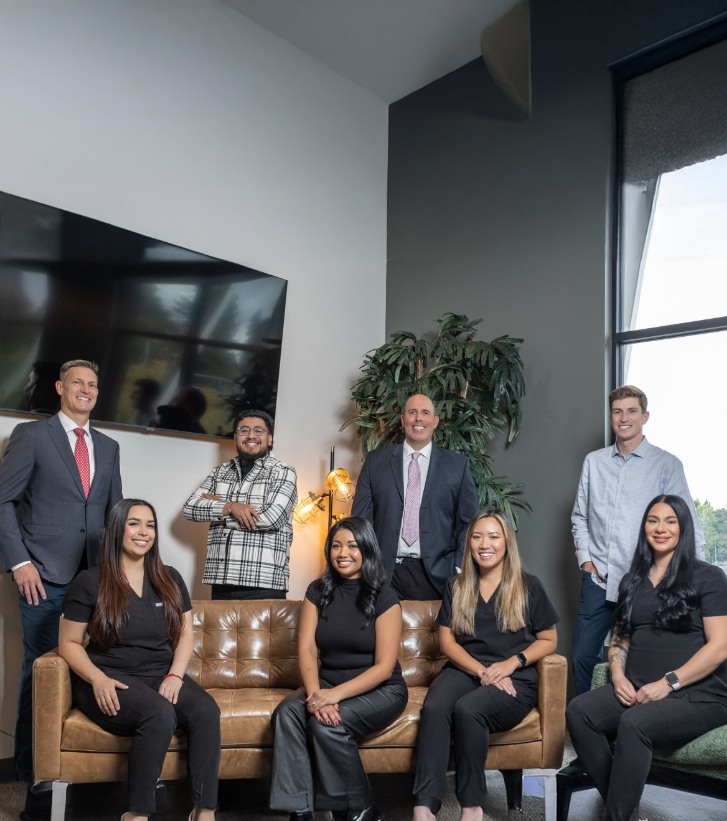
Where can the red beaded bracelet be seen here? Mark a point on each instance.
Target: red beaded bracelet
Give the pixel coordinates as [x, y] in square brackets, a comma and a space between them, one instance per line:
[174, 675]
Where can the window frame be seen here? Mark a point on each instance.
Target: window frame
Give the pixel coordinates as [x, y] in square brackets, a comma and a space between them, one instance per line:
[667, 51]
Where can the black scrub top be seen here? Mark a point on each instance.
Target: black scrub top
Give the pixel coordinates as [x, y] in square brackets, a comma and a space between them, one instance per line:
[346, 644]
[489, 643]
[143, 647]
[654, 651]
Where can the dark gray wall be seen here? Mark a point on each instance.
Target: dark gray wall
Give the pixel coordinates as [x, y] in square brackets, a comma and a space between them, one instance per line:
[508, 221]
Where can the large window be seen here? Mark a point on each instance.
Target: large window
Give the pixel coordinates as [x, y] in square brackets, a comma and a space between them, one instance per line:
[671, 296]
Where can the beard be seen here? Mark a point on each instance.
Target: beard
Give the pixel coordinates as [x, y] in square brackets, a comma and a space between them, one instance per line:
[248, 457]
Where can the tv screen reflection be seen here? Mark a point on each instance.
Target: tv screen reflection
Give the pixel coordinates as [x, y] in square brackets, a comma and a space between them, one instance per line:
[184, 341]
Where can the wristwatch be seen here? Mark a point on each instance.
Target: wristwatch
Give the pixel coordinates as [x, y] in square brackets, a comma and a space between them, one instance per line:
[673, 681]
[521, 658]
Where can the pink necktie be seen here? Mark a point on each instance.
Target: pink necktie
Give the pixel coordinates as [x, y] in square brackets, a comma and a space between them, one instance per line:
[410, 526]
[82, 460]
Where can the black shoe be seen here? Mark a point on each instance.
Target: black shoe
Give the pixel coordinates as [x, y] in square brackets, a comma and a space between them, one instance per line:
[572, 768]
[301, 816]
[369, 814]
[37, 805]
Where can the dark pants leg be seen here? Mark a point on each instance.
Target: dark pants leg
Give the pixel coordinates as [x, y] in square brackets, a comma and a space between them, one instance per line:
[597, 717]
[151, 720]
[458, 702]
[199, 716]
[411, 581]
[317, 766]
[593, 621]
[40, 634]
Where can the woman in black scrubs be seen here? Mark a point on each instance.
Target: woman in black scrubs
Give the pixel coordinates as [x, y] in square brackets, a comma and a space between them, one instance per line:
[495, 623]
[348, 643]
[667, 658]
[131, 678]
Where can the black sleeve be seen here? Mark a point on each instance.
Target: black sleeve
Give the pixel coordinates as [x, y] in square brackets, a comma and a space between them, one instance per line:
[80, 597]
[711, 584]
[542, 614]
[386, 599]
[179, 581]
[444, 617]
[313, 592]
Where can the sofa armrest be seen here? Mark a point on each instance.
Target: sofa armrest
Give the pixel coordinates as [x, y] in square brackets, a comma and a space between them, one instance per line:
[51, 705]
[552, 675]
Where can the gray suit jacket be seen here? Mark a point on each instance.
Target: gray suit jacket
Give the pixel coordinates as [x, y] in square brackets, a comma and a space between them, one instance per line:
[44, 516]
[449, 501]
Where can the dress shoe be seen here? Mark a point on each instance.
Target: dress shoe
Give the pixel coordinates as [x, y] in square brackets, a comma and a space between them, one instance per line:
[368, 814]
[301, 816]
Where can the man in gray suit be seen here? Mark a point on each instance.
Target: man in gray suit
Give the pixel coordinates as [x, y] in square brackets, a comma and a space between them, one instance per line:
[420, 499]
[58, 479]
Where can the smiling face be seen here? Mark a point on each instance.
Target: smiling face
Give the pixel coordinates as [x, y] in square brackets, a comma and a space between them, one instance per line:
[661, 529]
[419, 421]
[346, 557]
[627, 421]
[78, 391]
[252, 438]
[488, 545]
[139, 532]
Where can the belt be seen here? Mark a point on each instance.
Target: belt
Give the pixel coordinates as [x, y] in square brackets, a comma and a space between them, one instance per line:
[403, 559]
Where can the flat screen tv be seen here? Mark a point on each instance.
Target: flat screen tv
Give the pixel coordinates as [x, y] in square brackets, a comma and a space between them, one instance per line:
[183, 340]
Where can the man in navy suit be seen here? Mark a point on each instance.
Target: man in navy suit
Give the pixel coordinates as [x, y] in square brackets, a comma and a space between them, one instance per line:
[50, 525]
[421, 534]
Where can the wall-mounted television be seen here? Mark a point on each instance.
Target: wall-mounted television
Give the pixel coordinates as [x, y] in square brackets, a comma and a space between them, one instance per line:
[183, 340]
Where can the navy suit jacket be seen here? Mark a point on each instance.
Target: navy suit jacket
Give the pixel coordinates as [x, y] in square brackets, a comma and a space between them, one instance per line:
[449, 501]
[44, 516]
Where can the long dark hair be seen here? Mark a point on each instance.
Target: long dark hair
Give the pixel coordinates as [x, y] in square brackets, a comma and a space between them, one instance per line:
[373, 574]
[676, 593]
[114, 590]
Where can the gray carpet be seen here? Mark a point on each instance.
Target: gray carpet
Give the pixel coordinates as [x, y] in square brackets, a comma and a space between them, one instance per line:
[246, 801]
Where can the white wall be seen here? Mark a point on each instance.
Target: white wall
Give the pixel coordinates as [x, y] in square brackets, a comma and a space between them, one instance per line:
[183, 120]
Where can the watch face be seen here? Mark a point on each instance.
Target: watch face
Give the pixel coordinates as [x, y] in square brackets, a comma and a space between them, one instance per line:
[672, 680]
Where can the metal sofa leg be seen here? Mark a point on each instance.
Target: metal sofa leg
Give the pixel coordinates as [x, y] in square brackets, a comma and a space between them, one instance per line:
[546, 779]
[58, 801]
[513, 788]
[550, 795]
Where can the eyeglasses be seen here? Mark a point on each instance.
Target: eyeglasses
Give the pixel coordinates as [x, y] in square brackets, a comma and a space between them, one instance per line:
[243, 431]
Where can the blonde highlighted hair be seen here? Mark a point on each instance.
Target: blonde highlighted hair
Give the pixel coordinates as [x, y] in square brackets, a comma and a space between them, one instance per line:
[511, 603]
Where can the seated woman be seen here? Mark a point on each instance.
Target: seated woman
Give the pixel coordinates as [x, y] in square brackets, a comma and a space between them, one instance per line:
[667, 660]
[350, 625]
[496, 622]
[131, 678]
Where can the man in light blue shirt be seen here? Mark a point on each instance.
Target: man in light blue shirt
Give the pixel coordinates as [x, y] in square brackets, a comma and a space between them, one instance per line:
[616, 485]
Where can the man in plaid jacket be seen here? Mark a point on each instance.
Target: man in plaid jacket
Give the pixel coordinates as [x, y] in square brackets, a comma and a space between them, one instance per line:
[248, 503]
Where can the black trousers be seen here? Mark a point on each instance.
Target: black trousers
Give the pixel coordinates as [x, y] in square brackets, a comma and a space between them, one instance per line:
[151, 720]
[317, 766]
[411, 581]
[230, 592]
[456, 701]
[597, 719]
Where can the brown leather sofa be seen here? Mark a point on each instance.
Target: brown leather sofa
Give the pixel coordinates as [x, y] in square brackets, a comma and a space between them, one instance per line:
[245, 656]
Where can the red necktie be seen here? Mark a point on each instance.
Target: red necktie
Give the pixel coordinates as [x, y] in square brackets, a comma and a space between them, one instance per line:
[82, 460]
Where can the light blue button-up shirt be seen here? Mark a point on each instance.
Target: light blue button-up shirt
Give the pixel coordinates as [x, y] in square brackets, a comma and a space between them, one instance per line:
[613, 493]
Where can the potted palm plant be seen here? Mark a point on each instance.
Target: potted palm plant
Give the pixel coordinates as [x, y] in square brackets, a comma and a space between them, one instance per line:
[476, 387]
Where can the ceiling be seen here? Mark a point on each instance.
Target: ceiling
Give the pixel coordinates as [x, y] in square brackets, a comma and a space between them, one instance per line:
[390, 47]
